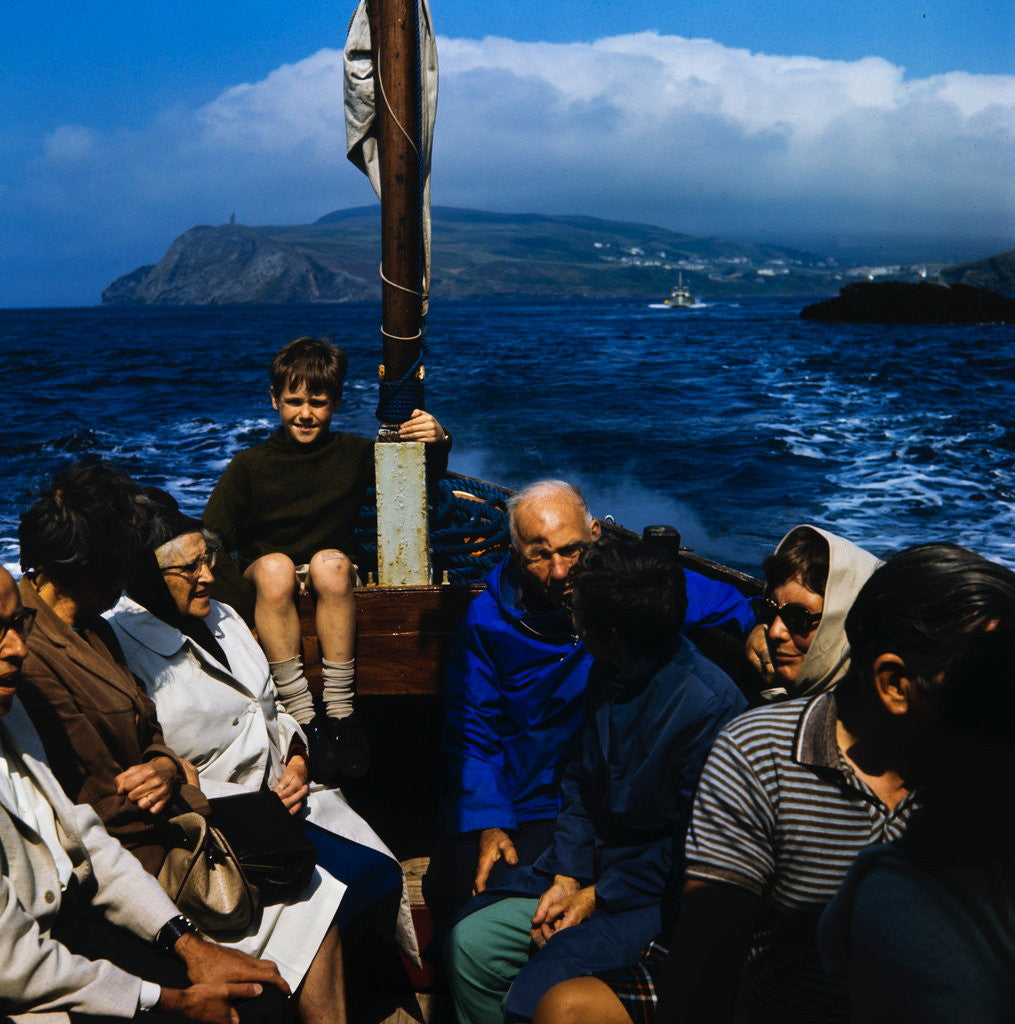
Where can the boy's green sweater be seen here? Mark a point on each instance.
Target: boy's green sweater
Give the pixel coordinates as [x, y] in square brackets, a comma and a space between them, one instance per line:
[297, 499]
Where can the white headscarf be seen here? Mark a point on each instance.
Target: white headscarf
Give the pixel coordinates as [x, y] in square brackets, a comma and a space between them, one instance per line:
[827, 659]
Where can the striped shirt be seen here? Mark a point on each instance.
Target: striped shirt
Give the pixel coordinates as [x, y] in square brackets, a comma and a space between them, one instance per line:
[780, 812]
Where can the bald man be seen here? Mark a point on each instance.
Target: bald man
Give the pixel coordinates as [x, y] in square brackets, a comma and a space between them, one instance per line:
[514, 693]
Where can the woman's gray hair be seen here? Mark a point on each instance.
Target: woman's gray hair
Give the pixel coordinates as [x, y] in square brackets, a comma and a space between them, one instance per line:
[544, 489]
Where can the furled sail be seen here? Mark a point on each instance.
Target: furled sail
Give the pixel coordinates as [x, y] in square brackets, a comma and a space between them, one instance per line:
[360, 111]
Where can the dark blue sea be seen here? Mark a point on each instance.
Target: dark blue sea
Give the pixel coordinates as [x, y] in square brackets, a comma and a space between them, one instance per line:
[733, 422]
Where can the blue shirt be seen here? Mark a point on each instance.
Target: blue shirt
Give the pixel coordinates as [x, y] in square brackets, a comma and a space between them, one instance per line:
[514, 693]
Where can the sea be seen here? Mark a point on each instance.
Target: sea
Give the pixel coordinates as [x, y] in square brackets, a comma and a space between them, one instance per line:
[732, 422]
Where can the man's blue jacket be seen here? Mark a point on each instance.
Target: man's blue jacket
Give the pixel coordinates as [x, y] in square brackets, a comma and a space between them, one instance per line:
[514, 693]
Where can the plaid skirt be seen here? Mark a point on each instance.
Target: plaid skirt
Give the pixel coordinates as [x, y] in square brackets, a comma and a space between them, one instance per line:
[635, 985]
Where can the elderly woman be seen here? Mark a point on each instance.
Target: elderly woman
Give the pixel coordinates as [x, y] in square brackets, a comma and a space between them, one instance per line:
[811, 580]
[217, 706]
[102, 737]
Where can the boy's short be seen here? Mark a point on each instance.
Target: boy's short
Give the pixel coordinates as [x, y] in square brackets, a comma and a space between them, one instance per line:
[303, 574]
[635, 985]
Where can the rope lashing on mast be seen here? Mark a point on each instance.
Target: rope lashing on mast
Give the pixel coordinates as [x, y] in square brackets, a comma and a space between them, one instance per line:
[468, 535]
[399, 397]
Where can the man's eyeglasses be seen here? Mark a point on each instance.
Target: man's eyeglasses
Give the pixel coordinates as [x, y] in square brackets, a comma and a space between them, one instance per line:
[797, 618]
[569, 553]
[21, 622]
[193, 569]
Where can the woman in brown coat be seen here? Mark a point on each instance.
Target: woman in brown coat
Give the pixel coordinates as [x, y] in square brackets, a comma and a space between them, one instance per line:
[102, 737]
[79, 543]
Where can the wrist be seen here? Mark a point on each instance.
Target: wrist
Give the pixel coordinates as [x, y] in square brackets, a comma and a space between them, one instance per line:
[170, 1000]
[176, 934]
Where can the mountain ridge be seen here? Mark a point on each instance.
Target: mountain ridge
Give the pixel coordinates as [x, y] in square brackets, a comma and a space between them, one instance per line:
[476, 254]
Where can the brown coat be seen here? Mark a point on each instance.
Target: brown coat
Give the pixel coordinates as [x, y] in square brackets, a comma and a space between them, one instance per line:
[95, 722]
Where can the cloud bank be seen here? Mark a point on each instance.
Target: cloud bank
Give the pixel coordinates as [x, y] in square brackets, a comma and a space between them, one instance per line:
[686, 133]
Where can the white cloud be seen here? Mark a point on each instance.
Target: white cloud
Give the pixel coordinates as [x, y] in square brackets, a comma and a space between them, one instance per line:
[705, 138]
[686, 133]
[70, 144]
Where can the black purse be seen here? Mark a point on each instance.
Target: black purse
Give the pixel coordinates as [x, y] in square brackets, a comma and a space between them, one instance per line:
[269, 842]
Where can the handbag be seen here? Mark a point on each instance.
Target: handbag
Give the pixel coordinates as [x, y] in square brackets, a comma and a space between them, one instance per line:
[270, 844]
[203, 877]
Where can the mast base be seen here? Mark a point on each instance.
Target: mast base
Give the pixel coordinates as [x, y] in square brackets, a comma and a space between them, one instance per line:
[403, 527]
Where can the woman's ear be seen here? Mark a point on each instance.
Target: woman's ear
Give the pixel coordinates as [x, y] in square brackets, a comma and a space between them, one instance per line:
[892, 683]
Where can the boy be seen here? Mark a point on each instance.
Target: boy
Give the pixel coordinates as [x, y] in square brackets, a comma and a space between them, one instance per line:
[289, 503]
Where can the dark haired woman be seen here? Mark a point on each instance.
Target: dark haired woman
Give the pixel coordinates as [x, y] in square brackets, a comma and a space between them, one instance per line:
[925, 927]
[79, 545]
[811, 582]
[602, 888]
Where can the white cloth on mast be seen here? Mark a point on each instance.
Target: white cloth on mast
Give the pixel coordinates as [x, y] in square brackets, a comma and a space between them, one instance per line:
[360, 105]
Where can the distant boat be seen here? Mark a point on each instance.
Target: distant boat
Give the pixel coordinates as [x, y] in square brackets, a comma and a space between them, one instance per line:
[680, 297]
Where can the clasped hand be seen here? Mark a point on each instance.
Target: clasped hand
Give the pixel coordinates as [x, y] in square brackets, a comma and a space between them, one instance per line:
[151, 784]
[564, 904]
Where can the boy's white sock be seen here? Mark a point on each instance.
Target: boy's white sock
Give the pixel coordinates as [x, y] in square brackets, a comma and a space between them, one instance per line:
[293, 688]
[338, 687]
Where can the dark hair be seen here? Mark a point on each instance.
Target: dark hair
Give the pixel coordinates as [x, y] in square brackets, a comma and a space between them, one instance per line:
[633, 589]
[311, 361]
[923, 604]
[967, 768]
[803, 553]
[90, 524]
[978, 692]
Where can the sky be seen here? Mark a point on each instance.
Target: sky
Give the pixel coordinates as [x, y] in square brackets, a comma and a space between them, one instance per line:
[877, 130]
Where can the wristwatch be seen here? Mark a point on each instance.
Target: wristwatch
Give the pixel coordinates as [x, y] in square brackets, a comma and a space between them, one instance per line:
[172, 931]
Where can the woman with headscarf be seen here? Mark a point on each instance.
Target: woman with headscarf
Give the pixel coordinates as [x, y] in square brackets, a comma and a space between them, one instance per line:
[79, 543]
[217, 706]
[812, 580]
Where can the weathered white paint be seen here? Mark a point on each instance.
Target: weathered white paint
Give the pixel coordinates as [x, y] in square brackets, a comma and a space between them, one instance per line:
[403, 551]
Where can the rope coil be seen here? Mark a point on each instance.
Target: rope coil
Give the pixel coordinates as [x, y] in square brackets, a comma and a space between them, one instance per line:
[398, 398]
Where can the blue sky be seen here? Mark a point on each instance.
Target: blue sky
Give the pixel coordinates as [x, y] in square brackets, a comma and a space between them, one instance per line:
[122, 124]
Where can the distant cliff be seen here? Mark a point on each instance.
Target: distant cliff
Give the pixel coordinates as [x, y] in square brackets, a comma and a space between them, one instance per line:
[475, 255]
[233, 264]
[996, 273]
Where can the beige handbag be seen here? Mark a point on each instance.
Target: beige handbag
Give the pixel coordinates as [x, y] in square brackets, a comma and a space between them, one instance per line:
[203, 878]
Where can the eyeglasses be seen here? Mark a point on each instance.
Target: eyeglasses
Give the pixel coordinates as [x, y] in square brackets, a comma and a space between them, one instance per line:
[541, 556]
[21, 622]
[193, 569]
[797, 618]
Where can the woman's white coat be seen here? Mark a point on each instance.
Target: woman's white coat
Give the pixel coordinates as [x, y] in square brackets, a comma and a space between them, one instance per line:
[225, 720]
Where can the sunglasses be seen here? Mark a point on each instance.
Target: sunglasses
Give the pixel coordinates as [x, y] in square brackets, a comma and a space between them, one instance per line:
[797, 618]
[21, 622]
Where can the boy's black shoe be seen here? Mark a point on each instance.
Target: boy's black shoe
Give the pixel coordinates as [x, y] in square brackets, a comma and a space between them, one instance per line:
[351, 747]
[324, 757]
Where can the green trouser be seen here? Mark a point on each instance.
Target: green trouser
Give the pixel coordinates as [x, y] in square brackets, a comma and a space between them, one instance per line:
[485, 951]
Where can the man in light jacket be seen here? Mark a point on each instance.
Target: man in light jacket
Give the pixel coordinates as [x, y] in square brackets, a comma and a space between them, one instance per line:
[61, 868]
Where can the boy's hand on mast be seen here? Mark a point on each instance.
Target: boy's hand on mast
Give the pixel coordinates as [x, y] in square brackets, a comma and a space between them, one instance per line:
[421, 426]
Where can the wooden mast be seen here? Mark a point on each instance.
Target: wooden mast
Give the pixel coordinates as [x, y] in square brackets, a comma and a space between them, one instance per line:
[394, 41]
[402, 527]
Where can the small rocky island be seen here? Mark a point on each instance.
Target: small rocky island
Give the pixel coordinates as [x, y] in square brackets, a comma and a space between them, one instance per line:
[903, 302]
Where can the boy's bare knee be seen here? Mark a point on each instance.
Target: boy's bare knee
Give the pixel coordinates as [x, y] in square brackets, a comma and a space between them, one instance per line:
[332, 574]
[273, 576]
